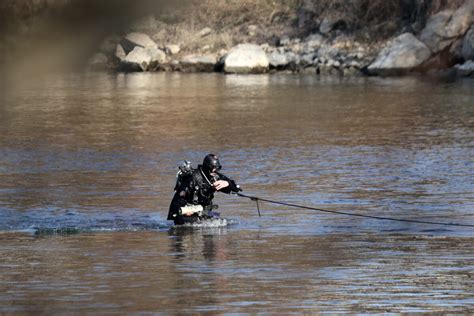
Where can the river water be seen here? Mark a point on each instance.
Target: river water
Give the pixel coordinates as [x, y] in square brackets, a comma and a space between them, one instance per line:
[88, 163]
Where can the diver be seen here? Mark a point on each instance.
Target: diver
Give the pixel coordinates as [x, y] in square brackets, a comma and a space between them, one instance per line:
[194, 191]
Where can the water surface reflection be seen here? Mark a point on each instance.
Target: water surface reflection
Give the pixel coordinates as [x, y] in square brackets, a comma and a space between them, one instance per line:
[96, 153]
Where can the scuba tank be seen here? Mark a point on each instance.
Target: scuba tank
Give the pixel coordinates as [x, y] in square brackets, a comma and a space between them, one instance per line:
[184, 170]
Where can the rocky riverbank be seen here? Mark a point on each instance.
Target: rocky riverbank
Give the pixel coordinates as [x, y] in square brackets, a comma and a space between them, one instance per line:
[445, 44]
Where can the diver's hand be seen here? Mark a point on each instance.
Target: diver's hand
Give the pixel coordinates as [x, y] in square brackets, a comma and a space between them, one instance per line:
[220, 184]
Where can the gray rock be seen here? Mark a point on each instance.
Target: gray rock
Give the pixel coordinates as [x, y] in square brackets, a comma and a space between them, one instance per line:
[136, 60]
[416, 27]
[143, 59]
[467, 49]
[430, 34]
[316, 38]
[120, 53]
[313, 42]
[328, 52]
[355, 64]
[198, 63]
[307, 59]
[205, 32]
[134, 39]
[285, 41]
[292, 57]
[172, 49]
[403, 54]
[277, 59]
[446, 26]
[326, 25]
[297, 48]
[246, 58]
[156, 54]
[252, 30]
[466, 69]
[329, 24]
[462, 19]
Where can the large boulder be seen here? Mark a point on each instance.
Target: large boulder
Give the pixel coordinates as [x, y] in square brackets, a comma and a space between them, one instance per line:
[132, 40]
[246, 58]
[467, 49]
[403, 54]
[446, 26]
[143, 59]
[198, 63]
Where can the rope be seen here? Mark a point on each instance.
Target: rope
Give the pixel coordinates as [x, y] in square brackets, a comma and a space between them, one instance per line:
[255, 198]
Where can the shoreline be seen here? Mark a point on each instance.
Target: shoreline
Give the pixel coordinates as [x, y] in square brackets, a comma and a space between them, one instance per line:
[245, 37]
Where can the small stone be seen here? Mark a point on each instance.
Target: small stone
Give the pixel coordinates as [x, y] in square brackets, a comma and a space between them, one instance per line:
[205, 32]
[466, 69]
[172, 49]
[285, 41]
[252, 30]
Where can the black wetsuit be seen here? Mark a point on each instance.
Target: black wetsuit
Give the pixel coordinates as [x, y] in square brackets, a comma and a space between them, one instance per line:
[196, 189]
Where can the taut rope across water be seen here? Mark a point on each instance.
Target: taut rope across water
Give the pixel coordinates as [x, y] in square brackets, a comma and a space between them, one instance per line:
[256, 199]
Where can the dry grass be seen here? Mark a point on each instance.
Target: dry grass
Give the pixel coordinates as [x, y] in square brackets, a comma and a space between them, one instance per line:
[230, 19]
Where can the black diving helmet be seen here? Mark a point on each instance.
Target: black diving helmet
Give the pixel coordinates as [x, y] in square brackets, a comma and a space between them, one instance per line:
[211, 164]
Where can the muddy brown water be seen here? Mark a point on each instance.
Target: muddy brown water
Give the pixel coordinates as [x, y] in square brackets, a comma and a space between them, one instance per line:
[87, 167]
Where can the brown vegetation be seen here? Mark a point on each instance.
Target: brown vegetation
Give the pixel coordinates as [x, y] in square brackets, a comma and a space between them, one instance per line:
[81, 25]
[367, 20]
[298, 16]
